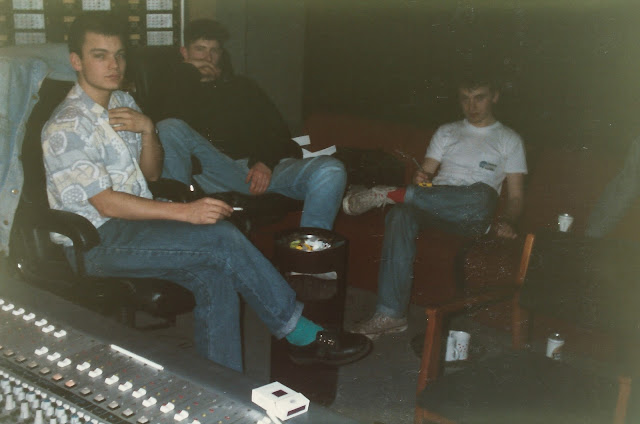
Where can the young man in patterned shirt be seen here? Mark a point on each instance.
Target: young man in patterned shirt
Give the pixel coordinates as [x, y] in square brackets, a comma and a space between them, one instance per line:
[99, 151]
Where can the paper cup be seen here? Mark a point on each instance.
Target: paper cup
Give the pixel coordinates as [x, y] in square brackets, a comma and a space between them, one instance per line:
[457, 346]
[564, 222]
[462, 345]
[452, 353]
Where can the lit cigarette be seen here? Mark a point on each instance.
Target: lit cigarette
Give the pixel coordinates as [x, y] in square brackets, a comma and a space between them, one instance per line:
[238, 208]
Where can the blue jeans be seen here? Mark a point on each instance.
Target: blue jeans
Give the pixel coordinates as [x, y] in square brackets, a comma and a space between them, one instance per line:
[465, 210]
[215, 262]
[319, 181]
[618, 196]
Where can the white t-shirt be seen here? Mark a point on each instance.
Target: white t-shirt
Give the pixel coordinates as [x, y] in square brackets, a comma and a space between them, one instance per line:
[469, 154]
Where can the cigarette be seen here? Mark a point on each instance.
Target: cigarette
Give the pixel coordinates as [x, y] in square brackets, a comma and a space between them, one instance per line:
[238, 208]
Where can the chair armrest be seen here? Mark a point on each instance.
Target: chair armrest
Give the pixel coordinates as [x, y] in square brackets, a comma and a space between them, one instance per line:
[171, 190]
[78, 228]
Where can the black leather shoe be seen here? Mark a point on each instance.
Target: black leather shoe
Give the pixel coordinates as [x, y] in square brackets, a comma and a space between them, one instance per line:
[331, 348]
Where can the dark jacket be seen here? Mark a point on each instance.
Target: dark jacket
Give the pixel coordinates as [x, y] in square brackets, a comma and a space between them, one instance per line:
[233, 113]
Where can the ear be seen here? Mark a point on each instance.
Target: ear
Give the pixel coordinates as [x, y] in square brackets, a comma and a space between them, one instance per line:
[496, 96]
[76, 62]
[184, 53]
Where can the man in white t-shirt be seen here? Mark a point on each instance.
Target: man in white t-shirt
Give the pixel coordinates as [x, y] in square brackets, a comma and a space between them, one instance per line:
[455, 189]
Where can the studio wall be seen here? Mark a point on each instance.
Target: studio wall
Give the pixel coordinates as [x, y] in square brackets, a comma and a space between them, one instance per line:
[567, 67]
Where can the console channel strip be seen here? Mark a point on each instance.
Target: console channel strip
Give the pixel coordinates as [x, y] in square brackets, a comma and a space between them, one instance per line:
[52, 374]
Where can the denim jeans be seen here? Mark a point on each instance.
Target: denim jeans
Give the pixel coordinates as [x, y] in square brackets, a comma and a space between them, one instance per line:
[319, 181]
[215, 262]
[464, 210]
[619, 194]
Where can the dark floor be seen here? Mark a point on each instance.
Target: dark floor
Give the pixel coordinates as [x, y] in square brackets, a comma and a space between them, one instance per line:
[381, 387]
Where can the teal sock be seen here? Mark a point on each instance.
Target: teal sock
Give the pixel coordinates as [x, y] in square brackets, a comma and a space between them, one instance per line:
[304, 333]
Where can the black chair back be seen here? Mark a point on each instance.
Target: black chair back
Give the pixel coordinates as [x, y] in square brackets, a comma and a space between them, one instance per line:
[40, 261]
[30, 245]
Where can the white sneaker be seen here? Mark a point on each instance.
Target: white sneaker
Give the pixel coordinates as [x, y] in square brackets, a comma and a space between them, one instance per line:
[358, 200]
[380, 324]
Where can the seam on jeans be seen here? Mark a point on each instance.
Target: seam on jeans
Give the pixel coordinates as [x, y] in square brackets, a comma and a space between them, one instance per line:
[148, 251]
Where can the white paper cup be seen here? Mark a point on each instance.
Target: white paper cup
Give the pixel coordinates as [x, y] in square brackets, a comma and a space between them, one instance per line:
[564, 222]
[462, 345]
[457, 346]
[451, 354]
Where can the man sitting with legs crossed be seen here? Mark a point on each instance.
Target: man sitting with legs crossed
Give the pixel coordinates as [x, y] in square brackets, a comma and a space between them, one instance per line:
[99, 150]
[236, 132]
[456, 189]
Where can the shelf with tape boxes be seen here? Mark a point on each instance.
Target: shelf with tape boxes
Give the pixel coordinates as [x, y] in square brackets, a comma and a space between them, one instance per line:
[151, 22]
[5, 28]
[26, 22]
[162, 21]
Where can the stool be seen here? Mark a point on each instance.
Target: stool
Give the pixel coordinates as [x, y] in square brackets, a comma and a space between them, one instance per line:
[324, 302]
[324, 299]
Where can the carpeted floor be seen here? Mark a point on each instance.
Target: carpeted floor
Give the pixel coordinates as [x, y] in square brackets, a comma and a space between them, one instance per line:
[381, 387]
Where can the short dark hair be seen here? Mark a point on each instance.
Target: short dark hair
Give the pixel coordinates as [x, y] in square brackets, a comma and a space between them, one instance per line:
[205, 29]
[473, 79]
[103, 23]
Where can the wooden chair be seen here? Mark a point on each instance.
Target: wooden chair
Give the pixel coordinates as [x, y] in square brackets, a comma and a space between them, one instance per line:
[465, 300]
[575, 280]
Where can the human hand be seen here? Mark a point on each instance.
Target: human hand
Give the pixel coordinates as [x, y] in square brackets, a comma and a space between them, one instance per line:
[207, 211]
[504, 229]
[207, 69]
[127, 119]
[259, 176]
[422, 177]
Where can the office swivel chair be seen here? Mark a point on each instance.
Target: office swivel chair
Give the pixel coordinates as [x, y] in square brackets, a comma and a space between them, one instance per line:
[41, 262]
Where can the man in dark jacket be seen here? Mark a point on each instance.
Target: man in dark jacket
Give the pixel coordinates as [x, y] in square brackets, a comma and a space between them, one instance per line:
[236, 132]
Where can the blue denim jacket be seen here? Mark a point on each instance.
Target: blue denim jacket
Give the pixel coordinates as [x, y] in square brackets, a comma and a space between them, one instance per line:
[22, 70]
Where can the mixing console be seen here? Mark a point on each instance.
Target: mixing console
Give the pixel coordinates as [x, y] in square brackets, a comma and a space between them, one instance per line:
[50, 374]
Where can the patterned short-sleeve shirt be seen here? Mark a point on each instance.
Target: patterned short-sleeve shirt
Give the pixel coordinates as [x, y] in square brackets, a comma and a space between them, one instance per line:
[83, 155]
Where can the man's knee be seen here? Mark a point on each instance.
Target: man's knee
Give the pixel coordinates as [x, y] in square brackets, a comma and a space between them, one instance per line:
[330, 167]
[170, 124]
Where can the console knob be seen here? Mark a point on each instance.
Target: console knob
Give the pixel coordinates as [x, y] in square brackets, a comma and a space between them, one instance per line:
[24, 411]
[9, 404]
[60, 411]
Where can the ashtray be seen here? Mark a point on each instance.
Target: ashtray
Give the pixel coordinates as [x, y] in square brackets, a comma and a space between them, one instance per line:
[309, 243]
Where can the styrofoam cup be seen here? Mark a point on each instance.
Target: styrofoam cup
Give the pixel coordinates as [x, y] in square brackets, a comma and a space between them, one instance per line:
[564, 222]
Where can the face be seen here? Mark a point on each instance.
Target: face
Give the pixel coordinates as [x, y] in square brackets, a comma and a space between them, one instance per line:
[477, 105]
[206, 50]
[102, 65]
